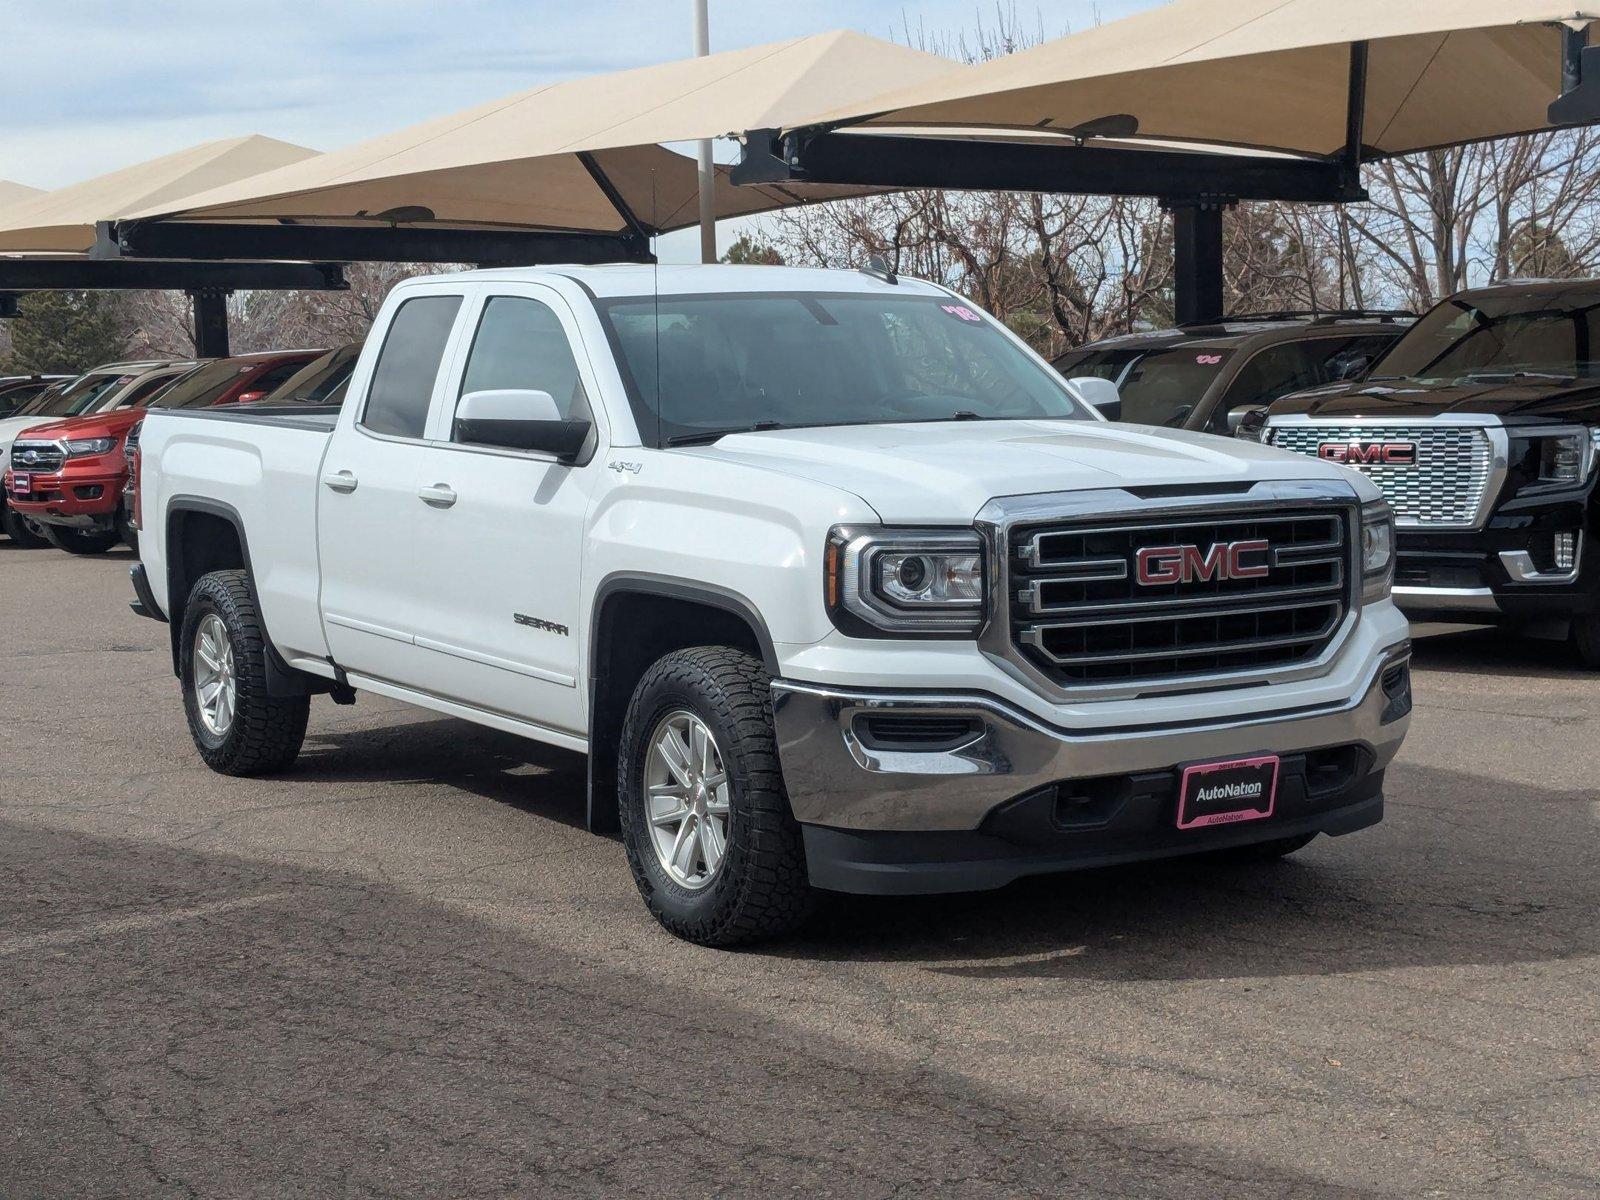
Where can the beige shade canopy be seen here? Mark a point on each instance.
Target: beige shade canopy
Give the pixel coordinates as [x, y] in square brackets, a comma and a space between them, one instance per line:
[1273, 74]
[15, 193]
[515, 161]
[63, 221]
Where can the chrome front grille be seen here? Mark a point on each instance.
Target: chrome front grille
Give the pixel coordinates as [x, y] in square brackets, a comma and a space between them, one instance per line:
[1444, 488]
[42, 457]
[1081, 614]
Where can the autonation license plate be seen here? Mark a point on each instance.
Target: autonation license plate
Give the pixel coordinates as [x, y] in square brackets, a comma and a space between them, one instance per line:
[1225, 793]
[21, 485]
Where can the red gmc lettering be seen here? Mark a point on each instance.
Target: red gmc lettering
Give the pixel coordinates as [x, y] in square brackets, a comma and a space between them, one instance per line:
[1393, 454]
[1163, 565]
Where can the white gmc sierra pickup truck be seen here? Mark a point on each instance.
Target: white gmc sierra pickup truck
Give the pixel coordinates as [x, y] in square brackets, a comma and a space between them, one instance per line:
[837, 584]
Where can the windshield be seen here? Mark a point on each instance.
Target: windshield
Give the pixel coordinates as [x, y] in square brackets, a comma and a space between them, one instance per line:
[201, 386]
[320, 381]
[81, 395]
[1158, 387]
[761, 360]
[1556, 334]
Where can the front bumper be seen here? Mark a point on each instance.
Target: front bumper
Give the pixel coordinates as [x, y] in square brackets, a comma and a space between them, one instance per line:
[1016, 797]
[77, 499]
[1504, 571]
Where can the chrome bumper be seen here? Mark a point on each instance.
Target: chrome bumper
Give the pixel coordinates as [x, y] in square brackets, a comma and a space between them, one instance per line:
[1433, 600]
[835, 780]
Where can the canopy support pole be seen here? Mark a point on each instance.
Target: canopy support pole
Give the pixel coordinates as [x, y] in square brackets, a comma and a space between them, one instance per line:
[210, 322]
[1356, 114]
[1197, 260]
[708, 170]
[1579, 102]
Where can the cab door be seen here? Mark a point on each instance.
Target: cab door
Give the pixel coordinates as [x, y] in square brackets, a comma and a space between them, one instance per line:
[371, 574]
[499, 532]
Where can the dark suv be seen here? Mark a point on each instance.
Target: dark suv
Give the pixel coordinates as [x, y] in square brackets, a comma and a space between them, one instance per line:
[1206, 377]
[1482, 426]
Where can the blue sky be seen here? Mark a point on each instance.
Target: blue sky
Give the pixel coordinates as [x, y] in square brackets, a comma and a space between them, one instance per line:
[88, 86]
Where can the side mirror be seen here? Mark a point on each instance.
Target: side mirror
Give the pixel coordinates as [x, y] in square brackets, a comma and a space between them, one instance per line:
[1249, 422]
[1099, 394]
[1353, 368]
[519, 419]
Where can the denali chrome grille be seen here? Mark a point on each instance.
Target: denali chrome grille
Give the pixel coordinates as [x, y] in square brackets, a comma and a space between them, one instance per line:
[44, 457]
[1443, 488]
[1129, 601]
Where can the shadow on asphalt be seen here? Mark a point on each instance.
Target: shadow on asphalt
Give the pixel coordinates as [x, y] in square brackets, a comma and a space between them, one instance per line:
[243, 1028]
[1343, 905]
[542, 781]
[1489, 649]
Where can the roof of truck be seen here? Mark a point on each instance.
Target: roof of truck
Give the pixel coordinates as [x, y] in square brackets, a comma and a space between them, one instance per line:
[634, 279]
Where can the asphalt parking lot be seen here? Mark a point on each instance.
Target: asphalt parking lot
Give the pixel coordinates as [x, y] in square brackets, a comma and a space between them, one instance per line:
[406, 969]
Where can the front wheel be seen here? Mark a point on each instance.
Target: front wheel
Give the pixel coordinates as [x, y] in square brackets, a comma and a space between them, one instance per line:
[1586, 639]
[23, 532]
[80, 541]
[714, 848]
[238, 727]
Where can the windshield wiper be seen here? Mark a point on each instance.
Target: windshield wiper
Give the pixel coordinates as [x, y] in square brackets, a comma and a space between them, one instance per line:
[714, 435]
[1516, 375]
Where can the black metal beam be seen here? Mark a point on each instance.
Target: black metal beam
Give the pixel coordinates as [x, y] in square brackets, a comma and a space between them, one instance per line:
[1579, 102]
[1355, 122]
[1197, 263]
[811, 156]
[207, 240]
[210, 322]
[87, 274]
[639, 230]
[9, 306]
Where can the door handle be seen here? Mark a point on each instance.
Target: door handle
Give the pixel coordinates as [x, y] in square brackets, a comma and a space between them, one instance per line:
[341, 481]
[439, 495]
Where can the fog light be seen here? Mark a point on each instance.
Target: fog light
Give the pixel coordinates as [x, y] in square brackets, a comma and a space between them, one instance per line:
[1566, 550]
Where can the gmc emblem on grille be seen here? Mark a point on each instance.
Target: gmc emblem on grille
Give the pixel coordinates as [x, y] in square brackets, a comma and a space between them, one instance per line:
[1389, 454]
[1161, 565]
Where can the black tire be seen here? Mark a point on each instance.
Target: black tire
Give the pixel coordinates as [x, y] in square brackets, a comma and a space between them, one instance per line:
[265, 733]
[1586, 640]
[80, 541]
[22, 532]
[129, 536]
[762, 890]
[1264, 852]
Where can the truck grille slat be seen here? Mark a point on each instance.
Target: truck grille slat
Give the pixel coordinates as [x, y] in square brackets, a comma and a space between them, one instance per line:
[1083, 623]
[1443, 489]
[42, 457]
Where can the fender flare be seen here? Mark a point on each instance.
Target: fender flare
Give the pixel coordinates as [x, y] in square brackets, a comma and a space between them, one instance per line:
[283, 681]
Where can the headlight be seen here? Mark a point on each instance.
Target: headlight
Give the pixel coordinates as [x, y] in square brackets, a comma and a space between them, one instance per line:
[1561, 457]
[1377, 551]
[904, 582]
[83, 447]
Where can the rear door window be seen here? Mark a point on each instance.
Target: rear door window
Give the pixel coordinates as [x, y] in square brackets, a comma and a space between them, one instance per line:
[408, 366]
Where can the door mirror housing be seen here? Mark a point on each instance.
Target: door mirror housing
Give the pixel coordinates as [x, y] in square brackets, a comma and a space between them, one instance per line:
[1099, 394]
[520, 419]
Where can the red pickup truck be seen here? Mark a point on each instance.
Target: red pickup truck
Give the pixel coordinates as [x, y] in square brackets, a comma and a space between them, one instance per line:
[68, 476]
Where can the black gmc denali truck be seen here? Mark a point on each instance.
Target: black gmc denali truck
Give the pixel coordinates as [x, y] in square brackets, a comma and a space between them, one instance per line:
[1482, 427]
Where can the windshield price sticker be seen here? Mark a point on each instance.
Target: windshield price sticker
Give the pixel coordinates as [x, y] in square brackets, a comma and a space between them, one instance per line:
[1208, 360]
[962, 311]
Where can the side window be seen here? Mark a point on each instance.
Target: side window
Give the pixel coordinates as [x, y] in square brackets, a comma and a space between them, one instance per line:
[408, 364]
[520, 344]
[269, 380]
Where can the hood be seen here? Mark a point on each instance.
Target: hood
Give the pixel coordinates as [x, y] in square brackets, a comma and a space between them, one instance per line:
[1523, 400]
[111, 424]
[946, 471]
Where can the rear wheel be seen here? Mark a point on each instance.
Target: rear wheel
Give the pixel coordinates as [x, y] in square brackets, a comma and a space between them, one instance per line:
[238, 727]
[714, 848]
[80, 541]
[23, 531]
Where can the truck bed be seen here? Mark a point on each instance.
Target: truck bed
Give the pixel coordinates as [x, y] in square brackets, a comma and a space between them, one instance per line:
[319, 418]
[255, 466]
